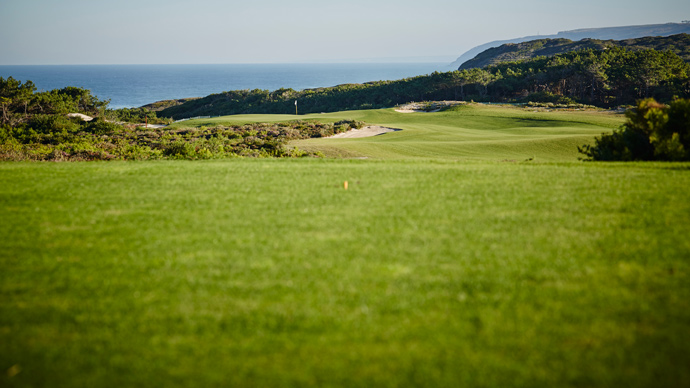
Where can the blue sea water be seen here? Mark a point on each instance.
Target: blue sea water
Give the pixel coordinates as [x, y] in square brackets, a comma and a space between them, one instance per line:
[137, 85]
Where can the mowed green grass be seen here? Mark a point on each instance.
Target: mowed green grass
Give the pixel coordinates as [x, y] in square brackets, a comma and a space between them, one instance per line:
[475, 131]
[449, 261]
[263, 273]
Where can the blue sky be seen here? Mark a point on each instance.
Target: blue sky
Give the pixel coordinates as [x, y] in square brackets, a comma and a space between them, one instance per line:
[271, 31]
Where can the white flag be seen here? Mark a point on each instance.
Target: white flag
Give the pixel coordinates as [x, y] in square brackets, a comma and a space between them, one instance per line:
[295, 102]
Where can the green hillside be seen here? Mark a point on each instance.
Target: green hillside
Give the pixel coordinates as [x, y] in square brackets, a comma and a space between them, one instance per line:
[509, 52]
[605, 33]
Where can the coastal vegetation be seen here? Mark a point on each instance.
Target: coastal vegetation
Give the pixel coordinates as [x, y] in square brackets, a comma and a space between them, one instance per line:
[38, 126]
[22, 108]
[100, 140]
[604, 78]
[25, 109]
[510, 52]
[618, 33]
[135, 115]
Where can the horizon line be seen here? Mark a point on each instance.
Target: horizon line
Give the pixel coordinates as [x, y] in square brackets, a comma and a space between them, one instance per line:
[439, 59]
[225, 63]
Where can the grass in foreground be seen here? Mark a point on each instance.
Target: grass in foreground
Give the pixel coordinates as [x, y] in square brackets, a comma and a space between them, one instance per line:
[269, 273]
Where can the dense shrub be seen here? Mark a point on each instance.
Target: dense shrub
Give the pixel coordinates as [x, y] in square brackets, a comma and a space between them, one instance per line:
[99, 126]
[548, 97]
[179, 150]
[653, 131]
[136, 115]
[46, 124]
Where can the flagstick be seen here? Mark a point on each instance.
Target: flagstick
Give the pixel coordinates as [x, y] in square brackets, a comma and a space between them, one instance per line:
[295, 107]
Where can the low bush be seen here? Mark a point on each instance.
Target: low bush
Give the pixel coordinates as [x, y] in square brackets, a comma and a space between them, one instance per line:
[653, 131]
[548, 97]
[102, 140]
[98, 126]
[136, 115]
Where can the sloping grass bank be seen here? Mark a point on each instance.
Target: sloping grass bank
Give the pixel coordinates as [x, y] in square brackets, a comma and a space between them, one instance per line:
[269, 273]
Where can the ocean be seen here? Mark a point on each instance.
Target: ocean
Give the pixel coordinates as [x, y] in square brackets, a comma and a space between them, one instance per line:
[137, 85]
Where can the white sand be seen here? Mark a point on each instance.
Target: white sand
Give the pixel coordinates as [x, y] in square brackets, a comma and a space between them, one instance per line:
[153, 126]
[416, 111]
[81, 116]
[373, 130]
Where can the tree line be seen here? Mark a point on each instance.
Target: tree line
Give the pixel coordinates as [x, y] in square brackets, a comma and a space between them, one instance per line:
[603, 78]
[21, 106]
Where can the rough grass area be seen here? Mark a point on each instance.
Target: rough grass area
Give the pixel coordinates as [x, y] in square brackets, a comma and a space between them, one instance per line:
[269, 273]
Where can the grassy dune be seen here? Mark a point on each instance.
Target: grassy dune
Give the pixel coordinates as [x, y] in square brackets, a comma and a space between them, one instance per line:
[444, 271]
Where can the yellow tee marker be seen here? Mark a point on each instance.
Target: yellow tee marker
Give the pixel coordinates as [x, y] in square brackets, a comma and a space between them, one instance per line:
[345, 185]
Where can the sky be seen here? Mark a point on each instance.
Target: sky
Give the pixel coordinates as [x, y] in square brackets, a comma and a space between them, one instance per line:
[48, 32]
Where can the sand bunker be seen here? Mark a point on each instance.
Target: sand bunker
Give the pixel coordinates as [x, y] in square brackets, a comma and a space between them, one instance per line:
[416, 111]
[81, 116]
[372, 130]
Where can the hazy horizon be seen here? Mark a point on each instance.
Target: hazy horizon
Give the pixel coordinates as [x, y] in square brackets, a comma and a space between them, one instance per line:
[430, 60]
[74, 32]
